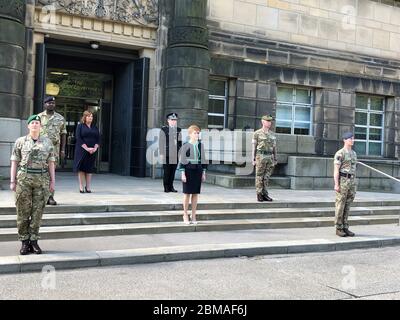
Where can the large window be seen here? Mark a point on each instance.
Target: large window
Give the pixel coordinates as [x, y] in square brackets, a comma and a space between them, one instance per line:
[217, 103]
[293, 110]
[369, 125]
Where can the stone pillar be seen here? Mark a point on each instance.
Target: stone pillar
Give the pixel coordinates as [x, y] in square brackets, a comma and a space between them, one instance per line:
[333, 115]
[390, 128]
[12, 69]
[187, 62]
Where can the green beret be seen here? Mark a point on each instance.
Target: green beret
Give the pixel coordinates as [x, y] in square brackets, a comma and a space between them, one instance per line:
[267, 118]
[33, 117]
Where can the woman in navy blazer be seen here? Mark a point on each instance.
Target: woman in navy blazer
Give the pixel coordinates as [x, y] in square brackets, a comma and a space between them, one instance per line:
[87, 142]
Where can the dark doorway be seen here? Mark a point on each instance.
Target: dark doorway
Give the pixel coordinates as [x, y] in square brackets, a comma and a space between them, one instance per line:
[113, 84]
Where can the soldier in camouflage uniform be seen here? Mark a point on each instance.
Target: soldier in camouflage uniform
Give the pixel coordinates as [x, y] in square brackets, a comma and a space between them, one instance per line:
[32, 179]
[53, 127]
[345, 161]
[264, 157]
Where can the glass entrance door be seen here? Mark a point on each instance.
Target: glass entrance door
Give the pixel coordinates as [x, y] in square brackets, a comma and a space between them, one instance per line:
[79, 91]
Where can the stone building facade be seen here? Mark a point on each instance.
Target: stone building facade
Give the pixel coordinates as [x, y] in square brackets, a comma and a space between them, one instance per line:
[320, 67]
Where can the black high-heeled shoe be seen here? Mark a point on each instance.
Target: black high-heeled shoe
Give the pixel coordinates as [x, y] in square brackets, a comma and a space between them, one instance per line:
[88, 191]
[81, 191]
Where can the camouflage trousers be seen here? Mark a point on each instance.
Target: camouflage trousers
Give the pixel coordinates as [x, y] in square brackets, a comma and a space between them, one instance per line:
[344, 198]
[264, 168]
[32, 193]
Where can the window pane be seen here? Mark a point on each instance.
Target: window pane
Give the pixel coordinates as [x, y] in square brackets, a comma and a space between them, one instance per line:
[303, 96]
[283, 126]
[375, 149]
[303, 125]
[244, 123]
[361, 102]
[214, 122]
[375, 134]
[376, 103]
[217, 87]
[361, 118]
[285, 94]
[283, 130]
[375, 120]
[360, 147]
[216, 106]
[302, 114]
[284, 112]
[361, 133]
[302, 131]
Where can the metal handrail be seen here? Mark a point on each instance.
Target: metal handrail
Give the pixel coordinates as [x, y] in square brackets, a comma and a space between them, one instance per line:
[385, 174]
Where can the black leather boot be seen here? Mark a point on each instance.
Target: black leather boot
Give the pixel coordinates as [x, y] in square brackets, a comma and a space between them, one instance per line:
[35, 247]
[24, 248]
[267, 198]
[51, 201]
[348, 233]
[260, 197]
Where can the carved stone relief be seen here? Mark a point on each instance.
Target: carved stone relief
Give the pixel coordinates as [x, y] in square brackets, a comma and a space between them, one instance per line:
[129, 11]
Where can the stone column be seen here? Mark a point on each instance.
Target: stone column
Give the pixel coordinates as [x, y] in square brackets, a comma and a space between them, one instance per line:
[12, 69]
[187, 62]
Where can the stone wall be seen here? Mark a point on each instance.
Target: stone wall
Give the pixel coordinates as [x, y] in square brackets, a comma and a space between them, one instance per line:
[317, 173]
[358, 26]
[14, 63]
[336, 48]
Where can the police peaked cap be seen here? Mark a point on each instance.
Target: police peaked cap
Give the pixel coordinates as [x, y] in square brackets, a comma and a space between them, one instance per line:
[172, 116]
[49, 98]
[34, 117]
[347, 135]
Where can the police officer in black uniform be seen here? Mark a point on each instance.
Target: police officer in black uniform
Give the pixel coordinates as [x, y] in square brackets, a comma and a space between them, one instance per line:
[170, 141]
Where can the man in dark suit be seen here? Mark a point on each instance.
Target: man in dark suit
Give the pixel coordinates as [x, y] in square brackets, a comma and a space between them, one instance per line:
[170, 141]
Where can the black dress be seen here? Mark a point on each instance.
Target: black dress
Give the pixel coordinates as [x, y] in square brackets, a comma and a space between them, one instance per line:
[83, 160]
[192, 162]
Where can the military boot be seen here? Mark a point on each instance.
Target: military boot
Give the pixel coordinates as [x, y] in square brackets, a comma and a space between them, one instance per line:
[340, 233]
[24, 248]
[51, 201]
[267, 198]
[35, 246]
[260, 197]
[349, 233]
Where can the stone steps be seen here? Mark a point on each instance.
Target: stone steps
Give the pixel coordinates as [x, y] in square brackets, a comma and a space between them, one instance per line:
[99, 230]
[85, 259]
[201, 206]
[70, 219]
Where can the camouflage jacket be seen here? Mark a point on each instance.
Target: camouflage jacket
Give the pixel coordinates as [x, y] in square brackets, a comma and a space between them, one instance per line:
[265, 142]
[31, 154]
[52, 127]
[346, 160]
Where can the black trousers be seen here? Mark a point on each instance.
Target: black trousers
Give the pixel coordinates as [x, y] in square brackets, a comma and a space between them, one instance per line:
[169, 176]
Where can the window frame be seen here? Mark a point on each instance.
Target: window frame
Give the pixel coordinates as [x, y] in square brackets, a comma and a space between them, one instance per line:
[220, 98]
[293, 105]
[369, 111]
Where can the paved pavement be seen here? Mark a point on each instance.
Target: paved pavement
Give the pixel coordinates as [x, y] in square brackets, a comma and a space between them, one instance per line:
[111, 189]
[355, 274]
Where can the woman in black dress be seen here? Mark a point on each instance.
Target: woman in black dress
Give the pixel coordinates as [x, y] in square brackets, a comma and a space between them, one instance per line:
[87, 142]
[193, 168]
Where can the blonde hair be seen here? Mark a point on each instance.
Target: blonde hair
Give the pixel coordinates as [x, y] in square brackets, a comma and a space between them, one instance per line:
[85, 114]
[192, 128]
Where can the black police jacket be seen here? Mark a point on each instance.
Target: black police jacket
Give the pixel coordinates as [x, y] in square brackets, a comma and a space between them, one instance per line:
[170, 138]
